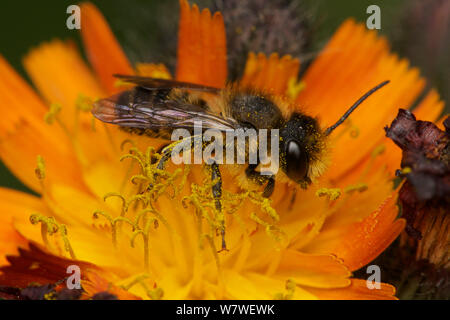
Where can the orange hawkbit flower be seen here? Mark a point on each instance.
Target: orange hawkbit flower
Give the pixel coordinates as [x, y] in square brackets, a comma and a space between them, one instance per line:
[92, 210]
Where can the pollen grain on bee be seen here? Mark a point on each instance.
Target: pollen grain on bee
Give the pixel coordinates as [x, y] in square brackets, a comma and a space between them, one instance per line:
[238, 146]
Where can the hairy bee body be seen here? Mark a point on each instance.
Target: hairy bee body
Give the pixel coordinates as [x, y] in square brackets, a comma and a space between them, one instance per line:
[156, 107]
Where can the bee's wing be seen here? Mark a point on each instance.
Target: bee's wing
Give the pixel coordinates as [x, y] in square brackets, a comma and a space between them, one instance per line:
[144, 108]
[157, 84]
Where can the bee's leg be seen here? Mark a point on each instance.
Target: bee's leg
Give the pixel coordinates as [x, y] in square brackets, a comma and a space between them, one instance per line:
[217, 194]
[166, 151]
[260, 179]
[161, 149]
[270, 187]
[165, 156]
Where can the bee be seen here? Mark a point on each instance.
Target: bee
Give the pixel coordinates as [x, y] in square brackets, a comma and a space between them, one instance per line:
[155, 107]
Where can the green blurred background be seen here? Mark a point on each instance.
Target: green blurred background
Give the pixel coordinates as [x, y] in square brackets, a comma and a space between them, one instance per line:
[147, 31]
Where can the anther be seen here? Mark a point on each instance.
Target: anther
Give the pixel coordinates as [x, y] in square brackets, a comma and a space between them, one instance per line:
[331, 193]
[50, 116]
[40, 169]
[360, 187]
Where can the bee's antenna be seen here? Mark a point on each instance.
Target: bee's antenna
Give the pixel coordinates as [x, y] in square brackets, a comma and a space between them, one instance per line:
[354, 106]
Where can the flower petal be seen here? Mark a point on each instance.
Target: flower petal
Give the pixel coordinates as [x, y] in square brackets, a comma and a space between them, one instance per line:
[202, 56]
[102, 49]
[61, 76]
[270, 74]
[254, 286]
[95, 144]
[320, 271]
[358, 290]
[36, 265]
[24, 135]
[359, 243]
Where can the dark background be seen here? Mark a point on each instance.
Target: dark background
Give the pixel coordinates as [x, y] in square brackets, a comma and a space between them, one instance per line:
[139, 26]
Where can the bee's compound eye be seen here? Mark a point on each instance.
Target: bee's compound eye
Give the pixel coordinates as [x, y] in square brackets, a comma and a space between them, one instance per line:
[296, 161]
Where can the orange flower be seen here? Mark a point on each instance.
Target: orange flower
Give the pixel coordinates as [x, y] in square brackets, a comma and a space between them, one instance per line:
[163, 245]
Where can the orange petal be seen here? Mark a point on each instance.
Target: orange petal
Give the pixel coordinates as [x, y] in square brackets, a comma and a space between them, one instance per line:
[320, 271]
[358, 290]
[47, 67]
[95, 144]
[16, 208]
[153, 70]
[247, 286]
[24, 135]
[430, 108]
[95, 283]
[272, 74]
[201, 55]
[440, 122]
[359, 243]
[102, 49]
[34, 264]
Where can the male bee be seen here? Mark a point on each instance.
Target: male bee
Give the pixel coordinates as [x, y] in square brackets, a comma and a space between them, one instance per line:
[155, 107]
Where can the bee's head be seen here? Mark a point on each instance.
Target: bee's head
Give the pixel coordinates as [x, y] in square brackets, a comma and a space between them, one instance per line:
[303, 144]
[301, 148]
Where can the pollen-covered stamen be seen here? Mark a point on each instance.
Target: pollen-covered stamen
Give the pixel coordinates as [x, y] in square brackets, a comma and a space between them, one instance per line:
[142, 215]
[264, 203]
[117, 195]
[113, 222]
[331, 193]
[155, 294]
[84, 104]
[145, 232]
[359, 187]
[202, 199]
[210, 241]
[40, 169]
[67, 246]
[49, 226]
[51, 116]
[274, 232]
[295, 87]
[377, 151]
[290, 290]
[157, 180]
[349, 128]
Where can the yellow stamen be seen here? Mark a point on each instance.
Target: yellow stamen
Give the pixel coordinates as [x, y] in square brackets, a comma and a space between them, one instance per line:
[290, 290]
[50, 116]
[360, 187]
[331, 193]
[154, 294]
[113, 222]
[145, 237]
[49, 226]
[295, 87]
[40, 169]
[271, 229]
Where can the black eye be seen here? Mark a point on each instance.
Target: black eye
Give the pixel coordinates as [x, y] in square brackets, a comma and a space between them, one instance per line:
[296, 161]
